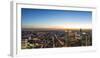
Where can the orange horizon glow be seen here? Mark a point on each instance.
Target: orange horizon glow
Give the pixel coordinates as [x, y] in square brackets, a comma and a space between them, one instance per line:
[65, 26]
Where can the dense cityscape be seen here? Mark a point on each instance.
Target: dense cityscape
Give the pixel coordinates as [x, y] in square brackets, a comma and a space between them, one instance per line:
[56, 38]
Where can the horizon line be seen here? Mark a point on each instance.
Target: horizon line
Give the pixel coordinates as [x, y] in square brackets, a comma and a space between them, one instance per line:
[56, 28]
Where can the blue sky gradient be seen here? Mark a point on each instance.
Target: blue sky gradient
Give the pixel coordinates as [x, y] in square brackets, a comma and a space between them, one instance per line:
[47, 17]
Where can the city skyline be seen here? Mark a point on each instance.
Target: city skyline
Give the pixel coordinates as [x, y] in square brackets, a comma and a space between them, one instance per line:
[61, 19]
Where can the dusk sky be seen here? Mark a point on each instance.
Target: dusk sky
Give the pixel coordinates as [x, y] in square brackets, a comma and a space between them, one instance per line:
[46, 18]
